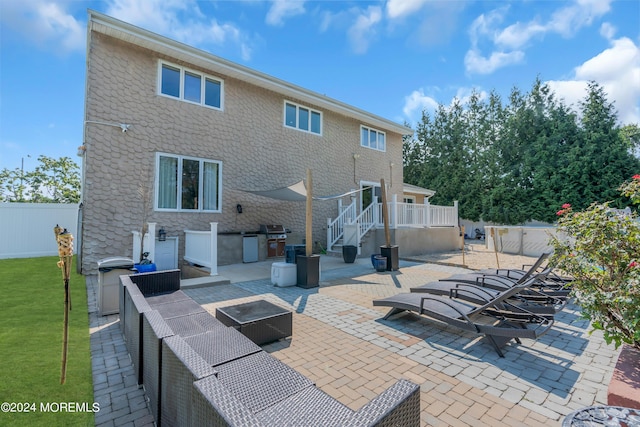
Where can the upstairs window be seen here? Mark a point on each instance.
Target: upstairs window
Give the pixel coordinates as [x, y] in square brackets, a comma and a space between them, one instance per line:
[190, 86]
[188, 184]
[373, 139]
[302, 118]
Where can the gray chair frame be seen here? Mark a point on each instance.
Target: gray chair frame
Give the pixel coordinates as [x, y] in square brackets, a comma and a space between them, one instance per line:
[490, 320]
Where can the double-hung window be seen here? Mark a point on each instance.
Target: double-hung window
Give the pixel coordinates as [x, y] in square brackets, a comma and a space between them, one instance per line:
[188, 184]
[191, 86]
[372, 138]
[302, 118]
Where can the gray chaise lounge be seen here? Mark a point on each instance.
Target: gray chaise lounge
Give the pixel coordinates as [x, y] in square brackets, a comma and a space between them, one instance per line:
[497, 321]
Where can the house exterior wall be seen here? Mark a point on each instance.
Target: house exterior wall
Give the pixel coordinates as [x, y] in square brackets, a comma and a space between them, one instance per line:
[419, 198]
[256, 150]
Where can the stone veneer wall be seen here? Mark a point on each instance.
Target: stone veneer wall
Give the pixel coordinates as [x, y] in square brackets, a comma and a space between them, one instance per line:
[256, 150]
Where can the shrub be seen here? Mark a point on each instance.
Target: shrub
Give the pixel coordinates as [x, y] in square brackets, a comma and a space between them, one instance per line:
[600, 248]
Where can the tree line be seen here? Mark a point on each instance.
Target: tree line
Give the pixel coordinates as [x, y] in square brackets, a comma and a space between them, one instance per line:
[523, 160]
[52, 181]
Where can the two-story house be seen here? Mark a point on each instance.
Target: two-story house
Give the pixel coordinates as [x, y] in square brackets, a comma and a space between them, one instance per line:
[175, 136]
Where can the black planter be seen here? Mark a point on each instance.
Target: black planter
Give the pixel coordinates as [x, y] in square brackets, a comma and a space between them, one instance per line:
[391, 253]
[308, 271]
[349, 253]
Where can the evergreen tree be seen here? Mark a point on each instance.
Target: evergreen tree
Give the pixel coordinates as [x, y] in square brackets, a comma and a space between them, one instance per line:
[510, 164]
[601, 160]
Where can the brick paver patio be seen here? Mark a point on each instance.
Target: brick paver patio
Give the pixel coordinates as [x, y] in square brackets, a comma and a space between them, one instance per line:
[342, 344]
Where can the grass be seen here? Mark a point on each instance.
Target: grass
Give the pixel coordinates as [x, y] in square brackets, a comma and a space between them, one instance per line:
[31, 319]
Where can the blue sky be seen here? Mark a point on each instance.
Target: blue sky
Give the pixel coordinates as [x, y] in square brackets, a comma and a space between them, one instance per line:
[393, 58]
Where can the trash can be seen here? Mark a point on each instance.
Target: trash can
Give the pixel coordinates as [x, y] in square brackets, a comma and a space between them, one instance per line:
[291, 252]
[109, 272]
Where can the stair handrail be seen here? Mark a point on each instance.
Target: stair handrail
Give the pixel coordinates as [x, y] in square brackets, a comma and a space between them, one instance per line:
[335, 228]
[367, 219]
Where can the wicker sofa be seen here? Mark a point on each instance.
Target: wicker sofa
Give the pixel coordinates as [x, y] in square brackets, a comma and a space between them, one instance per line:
[196, 371]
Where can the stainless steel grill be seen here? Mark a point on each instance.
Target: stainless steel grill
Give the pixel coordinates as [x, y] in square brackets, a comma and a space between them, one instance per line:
[276, 238]
[273, 231]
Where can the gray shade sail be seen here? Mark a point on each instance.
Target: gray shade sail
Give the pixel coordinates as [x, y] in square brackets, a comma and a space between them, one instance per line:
[297, 193]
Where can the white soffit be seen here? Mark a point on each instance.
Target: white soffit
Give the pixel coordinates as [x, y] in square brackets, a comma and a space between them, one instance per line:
[121, 30]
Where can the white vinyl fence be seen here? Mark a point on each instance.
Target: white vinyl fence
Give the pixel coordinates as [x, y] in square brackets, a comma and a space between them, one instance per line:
[528, 241]
[26, 229]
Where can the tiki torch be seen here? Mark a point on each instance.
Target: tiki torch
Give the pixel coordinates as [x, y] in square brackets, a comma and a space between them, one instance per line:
[65, 252]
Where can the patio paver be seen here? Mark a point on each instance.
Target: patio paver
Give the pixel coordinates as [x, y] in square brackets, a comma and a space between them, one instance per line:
[342, 344]
[122, 402]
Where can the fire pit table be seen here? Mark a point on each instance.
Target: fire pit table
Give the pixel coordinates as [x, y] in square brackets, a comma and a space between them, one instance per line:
[260, 321]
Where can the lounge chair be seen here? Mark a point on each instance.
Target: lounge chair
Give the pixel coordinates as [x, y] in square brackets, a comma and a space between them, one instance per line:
[515, 273]
[530, 298]
[496, 320]
[500, 282]
[552, 278]
[473, 277]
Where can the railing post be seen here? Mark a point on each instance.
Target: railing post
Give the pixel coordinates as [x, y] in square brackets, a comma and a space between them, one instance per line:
[352, 209]
[455, 219]
[150, 241]
[375, 217]
[137, 242]
[214, 248]
[394, 211]
[329, 234]
[427, 214]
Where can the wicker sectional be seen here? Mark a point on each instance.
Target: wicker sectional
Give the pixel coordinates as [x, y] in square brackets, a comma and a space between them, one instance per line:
[197, 371]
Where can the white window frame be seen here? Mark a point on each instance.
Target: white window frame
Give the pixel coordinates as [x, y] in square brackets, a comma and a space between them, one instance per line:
[409, 199]
[377, 132]
[297, 126]
[203, 80]
[179, 184]
[375, 188]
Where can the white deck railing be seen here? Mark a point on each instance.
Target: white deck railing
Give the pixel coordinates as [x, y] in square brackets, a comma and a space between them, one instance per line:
[335, 228]
[201, 247]
[401, 215]
[368, 218]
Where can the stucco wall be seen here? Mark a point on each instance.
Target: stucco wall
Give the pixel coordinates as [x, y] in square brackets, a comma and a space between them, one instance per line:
[256, 150]
[414, 241]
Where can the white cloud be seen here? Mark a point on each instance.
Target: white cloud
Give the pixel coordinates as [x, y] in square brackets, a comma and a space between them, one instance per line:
[281, 9]
[568, 20]
[417, 102]
[400, 8]
[181, 20]
[464, 95]
[46, 23]
[363, 30]
[484, 25]
[518, 35]
[608, 31]
[509, 42]
[476, 63]
[156, 15]
[617, 70]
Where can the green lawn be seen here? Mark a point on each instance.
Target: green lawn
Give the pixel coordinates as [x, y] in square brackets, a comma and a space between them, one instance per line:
[31, 321]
